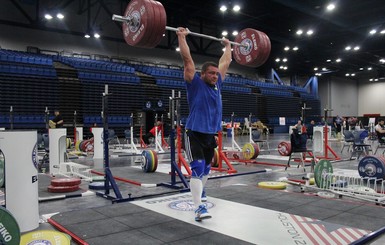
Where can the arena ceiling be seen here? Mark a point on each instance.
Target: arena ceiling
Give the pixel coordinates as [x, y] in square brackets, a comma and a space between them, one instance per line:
[349, 24]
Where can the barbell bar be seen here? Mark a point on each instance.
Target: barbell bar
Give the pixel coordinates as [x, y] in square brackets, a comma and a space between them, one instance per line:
[129, 20]
[144, 24]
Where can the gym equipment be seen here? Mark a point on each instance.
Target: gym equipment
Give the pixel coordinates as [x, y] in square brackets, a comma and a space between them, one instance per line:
[284, 148]
[322, 170]
[45, 237]
[327, 148]
[21, 177]
[250, 151]
[275, 185]
[65, 181]
[158, 137]
[150, 161]
[2, 169]
[10, 230]
[11, 118]
[144, 23]
[372, 167]
[98, 142]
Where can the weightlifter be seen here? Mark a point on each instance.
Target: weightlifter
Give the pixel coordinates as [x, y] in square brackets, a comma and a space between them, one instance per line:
[204, 121]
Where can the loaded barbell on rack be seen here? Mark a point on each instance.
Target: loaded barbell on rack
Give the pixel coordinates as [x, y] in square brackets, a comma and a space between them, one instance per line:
[144, 24]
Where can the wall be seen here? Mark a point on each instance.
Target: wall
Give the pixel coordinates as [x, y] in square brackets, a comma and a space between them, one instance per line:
[371, 98]
[338, 94]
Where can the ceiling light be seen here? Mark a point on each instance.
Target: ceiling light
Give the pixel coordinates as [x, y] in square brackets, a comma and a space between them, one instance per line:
[371, 80]
[48, 16]
[277, 60]
[324, 69]
[372, 32]
[224, 33]
[328, 60]
[310, 32]
[286, 48]
[348, 48]
[236, 8]
[376, 80]
[370, 68]
[318, 74]
[330, 7]
[361, 68]
[295, 48]
[353, 74]
[223, 8]
[299, 32]
[285, 67]
[284, 60]
[356, 48]
[338, 60]
[382, 32]
[177, 49]
[382, 60]
[60, 16]
[96, 35]
[235, 33]
[316, 68]
[281, 67]
[347, 74]
[87, 35]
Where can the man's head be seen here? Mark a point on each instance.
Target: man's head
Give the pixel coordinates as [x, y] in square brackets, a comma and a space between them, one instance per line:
[57, 112]
[209, 73]
[381, 121]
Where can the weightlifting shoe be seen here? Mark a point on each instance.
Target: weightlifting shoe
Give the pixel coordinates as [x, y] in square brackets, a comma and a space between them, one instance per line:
[204, 197]
[201, 213]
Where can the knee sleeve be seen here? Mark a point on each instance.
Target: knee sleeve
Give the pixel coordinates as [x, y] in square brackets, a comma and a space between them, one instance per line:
[207, 169]
[197, 168]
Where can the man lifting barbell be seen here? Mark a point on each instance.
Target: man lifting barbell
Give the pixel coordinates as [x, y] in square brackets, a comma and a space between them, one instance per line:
[204, 120]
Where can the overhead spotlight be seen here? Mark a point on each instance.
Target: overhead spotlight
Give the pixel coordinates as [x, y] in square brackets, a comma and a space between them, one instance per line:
[348, 48]
[309, 32]
[285, 67]
[299, 32]
[347, 74]
[277, 60]
[370, 68]
[382, 32]
[96, 35]
[60, 16]
[284, 60]
[315, 68]
[372, 32]
[361, 68]
[338, 60]
[353, 74]
[382, 60]
[287, 48]
[48, 16]
[371, 80]
[236, 8]
[223, 8]
[376, 80]
[318, 74]
[295, 48]
[324, 69]
[328, 60]
[281, 67]
[330, 7]
[87, 35]
[356, 48]
[225, 33]
[177, 49]
[234, 33]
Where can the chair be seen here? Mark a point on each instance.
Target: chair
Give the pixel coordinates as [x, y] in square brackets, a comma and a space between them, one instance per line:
[256, 137]
[246, 126]
[127, 136]
[113, 137]
[349, 140]
[359, 146]
[381, 142]
[298, 145]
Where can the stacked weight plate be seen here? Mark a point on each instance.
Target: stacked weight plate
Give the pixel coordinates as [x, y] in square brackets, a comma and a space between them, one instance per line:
[59, 185]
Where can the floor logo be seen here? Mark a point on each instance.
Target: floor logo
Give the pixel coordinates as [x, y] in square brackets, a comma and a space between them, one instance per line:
[187, 205]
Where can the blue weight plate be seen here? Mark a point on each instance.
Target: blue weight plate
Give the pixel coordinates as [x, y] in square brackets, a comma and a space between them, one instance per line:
[372, 167]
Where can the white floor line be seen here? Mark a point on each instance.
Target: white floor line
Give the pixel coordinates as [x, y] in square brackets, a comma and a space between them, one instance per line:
[252, 224]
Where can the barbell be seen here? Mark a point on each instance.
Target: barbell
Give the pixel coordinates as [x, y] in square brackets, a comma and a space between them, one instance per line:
[144, 25]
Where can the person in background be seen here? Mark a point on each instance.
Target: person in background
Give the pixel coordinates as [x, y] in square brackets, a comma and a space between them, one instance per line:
[310, 129]
[380, 130]
[151, 133]
[57, 121]
[205, 119]
[338, 122]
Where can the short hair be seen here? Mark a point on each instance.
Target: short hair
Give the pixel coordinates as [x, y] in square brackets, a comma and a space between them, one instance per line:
[207, 64]
[381, 119]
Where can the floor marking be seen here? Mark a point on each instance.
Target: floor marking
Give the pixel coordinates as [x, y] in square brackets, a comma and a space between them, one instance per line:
[253, 224]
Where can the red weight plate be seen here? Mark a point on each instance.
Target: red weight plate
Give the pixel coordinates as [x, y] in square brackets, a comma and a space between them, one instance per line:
[284, 148]
[254, 52]
[151, 16]
[155, 23]
[138, 31]
[61, 189]
[266, 48]
[65, 182]
[161, 28]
